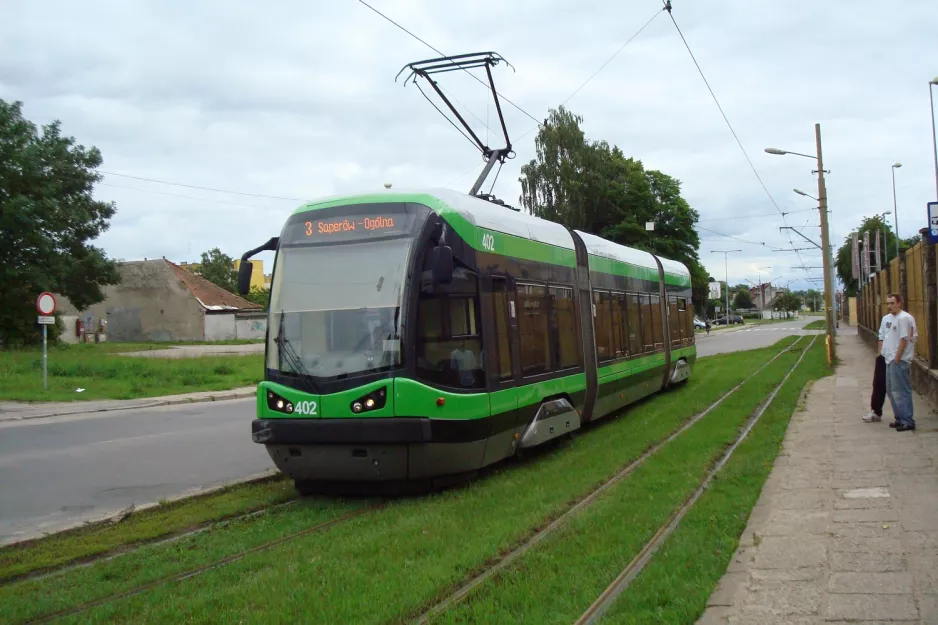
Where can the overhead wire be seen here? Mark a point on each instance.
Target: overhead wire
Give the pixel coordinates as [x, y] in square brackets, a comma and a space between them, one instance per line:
[667, 6]
[191, 197]
[192, 186]
[476, 78]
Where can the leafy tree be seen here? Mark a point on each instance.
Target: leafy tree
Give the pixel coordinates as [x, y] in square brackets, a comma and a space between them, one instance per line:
[594, 187]
[844, 262]
[258, 296]
[218, 268]
[788, 302]
[47, 218]
[743, 299]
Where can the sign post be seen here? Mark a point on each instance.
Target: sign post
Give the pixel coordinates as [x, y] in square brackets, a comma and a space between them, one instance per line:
[45, 304]
[933, 221]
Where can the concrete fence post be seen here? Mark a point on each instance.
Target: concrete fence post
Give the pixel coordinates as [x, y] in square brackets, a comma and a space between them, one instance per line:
[930, 296]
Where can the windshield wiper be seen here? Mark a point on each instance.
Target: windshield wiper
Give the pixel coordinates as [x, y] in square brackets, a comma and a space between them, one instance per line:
[293, 360]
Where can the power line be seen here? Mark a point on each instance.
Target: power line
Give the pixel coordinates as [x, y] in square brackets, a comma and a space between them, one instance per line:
[667, 6]
[192, 186]
[476, 78]
[190, 197]
[601, 67]
[729, 236]
[801, 210]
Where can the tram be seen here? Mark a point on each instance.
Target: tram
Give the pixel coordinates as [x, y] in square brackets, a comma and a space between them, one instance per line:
[428, 333]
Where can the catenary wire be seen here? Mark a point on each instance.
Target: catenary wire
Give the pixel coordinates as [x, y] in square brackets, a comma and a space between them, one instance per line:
[476, 78]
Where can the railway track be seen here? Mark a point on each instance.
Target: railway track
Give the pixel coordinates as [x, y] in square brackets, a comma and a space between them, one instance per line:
[450, 600]
[607, 598]
[466, 589]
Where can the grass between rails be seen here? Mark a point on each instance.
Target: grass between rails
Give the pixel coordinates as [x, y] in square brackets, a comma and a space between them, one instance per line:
[676, 584]
[104, 374]
[817, 324]
[173, 518]
[386, 564]
[557, 580]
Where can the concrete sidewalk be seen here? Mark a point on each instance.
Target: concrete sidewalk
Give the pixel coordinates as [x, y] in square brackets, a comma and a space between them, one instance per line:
[846, 528]
[18, 411]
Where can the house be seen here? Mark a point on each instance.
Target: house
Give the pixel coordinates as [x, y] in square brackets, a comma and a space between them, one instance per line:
[157, 300]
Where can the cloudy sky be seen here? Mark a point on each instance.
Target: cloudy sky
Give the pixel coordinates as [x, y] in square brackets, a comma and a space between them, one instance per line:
[298, 100]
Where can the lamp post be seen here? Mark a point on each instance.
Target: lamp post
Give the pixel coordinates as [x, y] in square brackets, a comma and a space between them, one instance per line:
[895, 209]
[825, 235]
[934, 141]
[726, 253]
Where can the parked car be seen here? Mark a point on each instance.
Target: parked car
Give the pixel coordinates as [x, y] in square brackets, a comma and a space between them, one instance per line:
[698, 324]
[734, 319]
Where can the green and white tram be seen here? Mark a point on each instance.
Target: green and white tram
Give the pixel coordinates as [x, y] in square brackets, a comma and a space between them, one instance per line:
[413, 335]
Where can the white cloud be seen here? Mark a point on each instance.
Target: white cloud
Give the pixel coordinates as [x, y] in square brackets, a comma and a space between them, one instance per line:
[298, 100]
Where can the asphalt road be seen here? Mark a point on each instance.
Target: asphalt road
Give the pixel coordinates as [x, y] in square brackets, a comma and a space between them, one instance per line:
[747, 336]
[58, 471]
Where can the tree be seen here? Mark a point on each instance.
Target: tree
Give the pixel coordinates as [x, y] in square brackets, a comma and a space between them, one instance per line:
[593, 187]
[743, 299]
[218, 268]
[887, 244]
[259, 296]
[47, 218]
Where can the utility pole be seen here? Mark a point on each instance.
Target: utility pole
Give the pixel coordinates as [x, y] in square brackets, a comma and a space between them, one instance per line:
[727, 277]
[825, 244]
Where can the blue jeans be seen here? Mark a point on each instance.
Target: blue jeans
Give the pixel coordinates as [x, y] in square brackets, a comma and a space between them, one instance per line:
[899, 390]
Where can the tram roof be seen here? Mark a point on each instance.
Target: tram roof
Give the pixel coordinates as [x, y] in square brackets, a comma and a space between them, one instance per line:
[481, 213]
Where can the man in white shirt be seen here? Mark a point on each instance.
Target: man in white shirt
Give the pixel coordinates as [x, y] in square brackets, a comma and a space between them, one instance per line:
[898, 349]
[878, 396]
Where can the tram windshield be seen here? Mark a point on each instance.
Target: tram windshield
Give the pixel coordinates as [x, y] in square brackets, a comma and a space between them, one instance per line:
[337, 292]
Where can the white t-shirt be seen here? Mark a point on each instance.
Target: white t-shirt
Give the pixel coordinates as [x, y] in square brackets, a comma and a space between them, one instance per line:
[898, 327]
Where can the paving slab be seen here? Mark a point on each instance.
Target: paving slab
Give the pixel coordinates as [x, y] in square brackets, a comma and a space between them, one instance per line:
[846, 527]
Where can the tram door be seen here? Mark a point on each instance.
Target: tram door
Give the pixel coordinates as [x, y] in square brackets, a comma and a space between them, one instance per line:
[502, 360]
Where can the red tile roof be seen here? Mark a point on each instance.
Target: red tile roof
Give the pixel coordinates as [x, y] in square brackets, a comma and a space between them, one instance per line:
[209, 294]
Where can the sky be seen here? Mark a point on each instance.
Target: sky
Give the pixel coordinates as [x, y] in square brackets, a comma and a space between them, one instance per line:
[290, 101]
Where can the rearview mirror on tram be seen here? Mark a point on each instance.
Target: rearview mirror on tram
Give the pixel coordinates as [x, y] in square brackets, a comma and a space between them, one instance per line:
[441, 259]
[244, 277]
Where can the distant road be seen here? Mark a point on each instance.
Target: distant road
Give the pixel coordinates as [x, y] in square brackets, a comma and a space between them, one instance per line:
[62, 470]
[749, 336]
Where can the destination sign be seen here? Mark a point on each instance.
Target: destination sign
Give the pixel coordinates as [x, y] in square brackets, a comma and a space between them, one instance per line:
[338, 229]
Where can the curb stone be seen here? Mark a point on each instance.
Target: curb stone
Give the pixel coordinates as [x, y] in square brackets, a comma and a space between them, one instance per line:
[168, 401]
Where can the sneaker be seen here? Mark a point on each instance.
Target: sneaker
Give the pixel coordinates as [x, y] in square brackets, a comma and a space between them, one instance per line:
[905, 428]
[872, 417]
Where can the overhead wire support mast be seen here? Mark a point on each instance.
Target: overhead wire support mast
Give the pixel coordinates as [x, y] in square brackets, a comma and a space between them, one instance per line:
[801, 235]
[466, 62]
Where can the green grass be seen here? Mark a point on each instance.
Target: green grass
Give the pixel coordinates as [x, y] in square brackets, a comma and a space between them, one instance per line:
[385, 564]
[817, 324]
[165, 520]
[676, 584]
[104, 374]
[557, 580]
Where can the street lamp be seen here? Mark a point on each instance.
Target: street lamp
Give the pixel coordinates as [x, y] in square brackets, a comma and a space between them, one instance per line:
[727, 276]
[800, 192]
[895, 210]
[934, 141]
[825, 234]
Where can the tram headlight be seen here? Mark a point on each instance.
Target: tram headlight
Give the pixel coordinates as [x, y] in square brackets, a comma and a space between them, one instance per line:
[375, 400]
[279, 404]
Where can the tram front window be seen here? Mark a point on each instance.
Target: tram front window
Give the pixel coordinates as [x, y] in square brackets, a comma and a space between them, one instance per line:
[335, 307]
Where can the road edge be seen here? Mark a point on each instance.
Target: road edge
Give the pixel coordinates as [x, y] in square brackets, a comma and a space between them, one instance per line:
[166, 400]
[116, 515]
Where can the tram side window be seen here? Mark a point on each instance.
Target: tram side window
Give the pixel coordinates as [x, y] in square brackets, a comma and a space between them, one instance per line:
[533, 327]
[648, 333]
[502, 345]
[620, 325]
[674, 320]
[563, 328]
[449, 344]
[687, 318]
[635, 324]
[605, 344]
[656, 320]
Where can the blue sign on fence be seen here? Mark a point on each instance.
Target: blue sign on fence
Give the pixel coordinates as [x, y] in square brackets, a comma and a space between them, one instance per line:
[933, 222]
